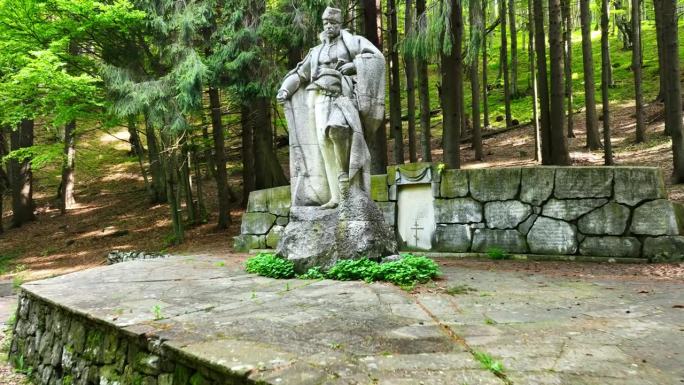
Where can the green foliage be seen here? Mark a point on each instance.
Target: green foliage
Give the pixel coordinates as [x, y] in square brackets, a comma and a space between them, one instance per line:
[268, 265]
[157, 311]
[354, 270]
[497, 253]
[405, 272]
[408, 271]
[489, 363]
[40, 155]
[313, 273]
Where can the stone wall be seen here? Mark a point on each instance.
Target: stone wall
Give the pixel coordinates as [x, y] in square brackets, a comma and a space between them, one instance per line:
[57, 347]
[615, 212]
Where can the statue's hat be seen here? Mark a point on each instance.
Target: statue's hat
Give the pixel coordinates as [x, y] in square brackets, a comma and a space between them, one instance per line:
[332, 14]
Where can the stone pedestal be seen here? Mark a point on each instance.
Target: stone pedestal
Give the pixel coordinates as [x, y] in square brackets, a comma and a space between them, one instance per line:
[321, 237]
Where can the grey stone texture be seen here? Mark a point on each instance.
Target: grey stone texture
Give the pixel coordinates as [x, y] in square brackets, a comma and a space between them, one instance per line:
[536, 184]
[257, 223]
[664, 249]
[246, 242]
[506, 214]
[459, 210]
[508, 240]
[551, 236]
[452, 238]
[659, 217]
[389, 212]
[494, 183]
[598, 203]
[454, 184]
[634, 185]
[628, 247]
[525, 227]
[583, 182]
[222, 326]
[317, 237]
[569, 210]
[273, 236]
[610, 219]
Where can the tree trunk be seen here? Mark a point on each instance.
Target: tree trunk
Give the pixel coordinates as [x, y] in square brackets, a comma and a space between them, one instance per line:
[504, 64]
[476, 28]
[170, 167]
[139, 156]
[535, 93]
[395, 84]
[248, 156]
[203, 217]
[377, 145]
[452, 86]
[219, 159]
[605, 84]
[372, 22]
[410, 68]
[485, 67]
[267, 170]
[156, 169]
[593, 139]
[185, 176]
[567, 63]
[542, 81]
[21, 176]
[4, 179]
[673, 102]
[208, 155]
[66, 191]
[134, 138]
[636, 68]
[423, 92]
[660, 40]
[514, 48]
[559, 143]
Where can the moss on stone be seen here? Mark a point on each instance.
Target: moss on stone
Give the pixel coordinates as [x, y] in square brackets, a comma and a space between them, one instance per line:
[93, 346]
[198, 379]
[181, 375]
[379, 188]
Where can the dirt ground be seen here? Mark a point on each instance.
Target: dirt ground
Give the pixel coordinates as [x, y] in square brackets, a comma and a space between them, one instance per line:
[113, 213]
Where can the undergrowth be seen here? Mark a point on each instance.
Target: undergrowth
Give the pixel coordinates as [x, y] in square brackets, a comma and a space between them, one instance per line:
[405, 272]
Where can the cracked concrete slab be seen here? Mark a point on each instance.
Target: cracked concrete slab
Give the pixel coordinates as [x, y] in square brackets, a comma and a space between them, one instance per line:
[544, 330]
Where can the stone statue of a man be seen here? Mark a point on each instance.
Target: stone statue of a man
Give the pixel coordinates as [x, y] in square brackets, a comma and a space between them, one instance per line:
[332, 99]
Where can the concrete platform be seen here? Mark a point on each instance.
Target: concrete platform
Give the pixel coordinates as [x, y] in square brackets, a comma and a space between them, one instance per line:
[192, 320]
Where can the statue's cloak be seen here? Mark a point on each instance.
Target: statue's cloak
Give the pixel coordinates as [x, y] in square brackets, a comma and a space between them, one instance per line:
[362, 103]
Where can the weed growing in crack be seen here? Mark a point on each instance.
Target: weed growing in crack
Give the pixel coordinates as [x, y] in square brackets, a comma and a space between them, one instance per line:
[489, 363]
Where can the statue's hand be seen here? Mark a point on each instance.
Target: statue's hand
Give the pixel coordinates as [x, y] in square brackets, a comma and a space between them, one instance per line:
[348, 69]
[282, 96]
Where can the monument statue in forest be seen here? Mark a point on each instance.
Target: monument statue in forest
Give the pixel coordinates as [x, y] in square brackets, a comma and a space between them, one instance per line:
[334, 100]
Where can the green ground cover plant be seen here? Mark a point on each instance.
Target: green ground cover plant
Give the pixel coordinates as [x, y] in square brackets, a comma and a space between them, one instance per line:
[405, 272]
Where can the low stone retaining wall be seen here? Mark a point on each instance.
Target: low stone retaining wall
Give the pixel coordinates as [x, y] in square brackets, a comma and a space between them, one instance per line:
[58, 347]
[615, 212]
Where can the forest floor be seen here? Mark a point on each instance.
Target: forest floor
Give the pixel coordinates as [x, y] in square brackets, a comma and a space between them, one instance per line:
[113, 213]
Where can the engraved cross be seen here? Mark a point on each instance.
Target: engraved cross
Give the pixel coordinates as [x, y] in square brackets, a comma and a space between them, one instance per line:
[416, 228]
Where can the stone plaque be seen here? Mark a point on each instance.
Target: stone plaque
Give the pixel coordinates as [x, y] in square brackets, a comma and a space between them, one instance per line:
[506, 215]
[416, 216]
[550, 236]
[459, 210]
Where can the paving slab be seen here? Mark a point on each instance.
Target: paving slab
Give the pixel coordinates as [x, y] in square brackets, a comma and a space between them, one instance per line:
[543, 329]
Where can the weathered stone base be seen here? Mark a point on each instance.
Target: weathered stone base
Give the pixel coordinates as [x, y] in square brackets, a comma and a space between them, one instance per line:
[194, 321]
[321, 237]
[58, 346]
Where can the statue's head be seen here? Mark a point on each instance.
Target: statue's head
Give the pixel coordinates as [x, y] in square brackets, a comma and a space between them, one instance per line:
[332, 22]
